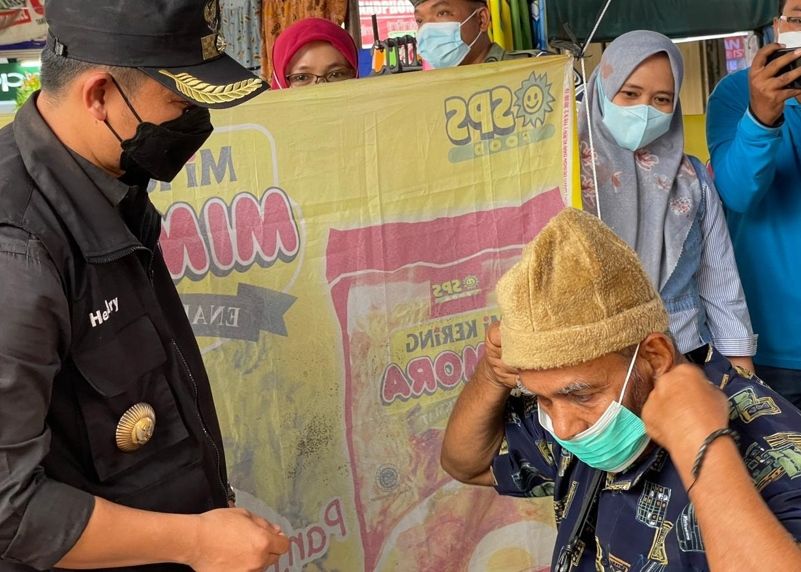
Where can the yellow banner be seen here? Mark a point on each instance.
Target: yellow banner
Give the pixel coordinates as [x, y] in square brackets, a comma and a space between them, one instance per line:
[337, 248]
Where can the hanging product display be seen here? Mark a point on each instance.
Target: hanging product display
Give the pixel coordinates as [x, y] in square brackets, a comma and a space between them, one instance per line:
[394, 55]
[393, 17]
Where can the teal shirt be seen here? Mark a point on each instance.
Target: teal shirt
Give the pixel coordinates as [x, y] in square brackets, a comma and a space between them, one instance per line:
[758, 175]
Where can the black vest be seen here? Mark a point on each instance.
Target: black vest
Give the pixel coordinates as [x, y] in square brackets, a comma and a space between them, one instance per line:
[130, 343]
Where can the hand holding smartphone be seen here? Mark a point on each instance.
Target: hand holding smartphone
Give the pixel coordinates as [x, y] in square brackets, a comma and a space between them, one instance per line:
[786, 69]
[774, 77]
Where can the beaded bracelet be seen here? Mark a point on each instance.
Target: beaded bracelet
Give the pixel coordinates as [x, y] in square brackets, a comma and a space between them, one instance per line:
[699, 458]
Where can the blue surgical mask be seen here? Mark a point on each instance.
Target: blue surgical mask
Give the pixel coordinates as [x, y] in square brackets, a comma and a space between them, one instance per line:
[635, 126]
[613, 442]
[441, 44]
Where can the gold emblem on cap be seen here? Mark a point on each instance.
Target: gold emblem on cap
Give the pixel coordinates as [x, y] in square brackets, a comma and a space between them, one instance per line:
[203, 92]
[136, 427]
[209, 46]
[212, 46]
[211, 13]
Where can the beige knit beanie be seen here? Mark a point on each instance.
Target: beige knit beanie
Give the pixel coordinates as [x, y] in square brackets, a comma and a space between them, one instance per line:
[577, 294]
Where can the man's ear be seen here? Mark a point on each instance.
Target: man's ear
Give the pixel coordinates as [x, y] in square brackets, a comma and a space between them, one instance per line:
[94, 88]
[660, 353]
[776, 29]
[484, 18]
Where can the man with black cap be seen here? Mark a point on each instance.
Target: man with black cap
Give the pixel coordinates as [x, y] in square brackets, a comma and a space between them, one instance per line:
[110, 448]
[455, 33]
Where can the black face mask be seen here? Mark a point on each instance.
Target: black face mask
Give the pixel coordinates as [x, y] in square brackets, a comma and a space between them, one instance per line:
[160, 151]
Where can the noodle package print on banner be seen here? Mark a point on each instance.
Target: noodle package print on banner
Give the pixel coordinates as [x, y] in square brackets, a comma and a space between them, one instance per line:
[337, 249]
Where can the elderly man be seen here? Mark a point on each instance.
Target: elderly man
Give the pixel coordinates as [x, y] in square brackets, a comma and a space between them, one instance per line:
[653, 463]
[455, 33]
[110, 450]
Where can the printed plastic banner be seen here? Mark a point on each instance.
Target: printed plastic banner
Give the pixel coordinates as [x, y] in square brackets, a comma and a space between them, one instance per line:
[337, 249]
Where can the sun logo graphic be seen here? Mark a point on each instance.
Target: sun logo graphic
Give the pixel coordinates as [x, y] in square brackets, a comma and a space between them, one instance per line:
[499, 119]
[535, 100]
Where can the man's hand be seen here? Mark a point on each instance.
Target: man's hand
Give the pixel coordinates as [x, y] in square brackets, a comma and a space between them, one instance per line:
[236, 540]
[501, 372]
[475, 429]
[769, 88]
[683, 409]
[739, 529]
[745, 362]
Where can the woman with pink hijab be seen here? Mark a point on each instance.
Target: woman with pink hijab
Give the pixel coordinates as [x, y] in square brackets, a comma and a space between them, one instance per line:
[313, 51]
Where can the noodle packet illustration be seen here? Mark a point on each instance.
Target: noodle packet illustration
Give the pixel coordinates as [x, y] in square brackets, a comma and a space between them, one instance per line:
[413, 301]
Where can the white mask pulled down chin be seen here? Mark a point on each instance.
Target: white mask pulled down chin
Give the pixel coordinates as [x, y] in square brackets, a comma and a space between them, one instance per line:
[791, 40]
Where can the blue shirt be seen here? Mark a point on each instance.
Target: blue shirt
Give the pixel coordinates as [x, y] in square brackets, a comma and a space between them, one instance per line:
[645, 520]
[758, 175]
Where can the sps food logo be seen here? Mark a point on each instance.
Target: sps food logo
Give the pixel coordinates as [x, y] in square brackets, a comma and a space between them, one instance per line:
[499, 119]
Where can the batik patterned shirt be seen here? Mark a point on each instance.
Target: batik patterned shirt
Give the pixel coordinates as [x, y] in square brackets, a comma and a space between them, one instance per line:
[644, 520]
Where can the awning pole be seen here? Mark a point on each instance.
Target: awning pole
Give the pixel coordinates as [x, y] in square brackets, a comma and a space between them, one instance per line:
[597, 25]
[587, 107]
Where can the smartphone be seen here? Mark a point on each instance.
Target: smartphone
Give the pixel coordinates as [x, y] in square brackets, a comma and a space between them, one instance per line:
[779, 53]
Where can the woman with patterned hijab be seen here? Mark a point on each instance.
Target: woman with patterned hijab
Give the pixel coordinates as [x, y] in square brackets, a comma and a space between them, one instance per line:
[661, 201]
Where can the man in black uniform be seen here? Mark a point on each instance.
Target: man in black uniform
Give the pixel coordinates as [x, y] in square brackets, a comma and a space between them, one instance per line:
[110, 449]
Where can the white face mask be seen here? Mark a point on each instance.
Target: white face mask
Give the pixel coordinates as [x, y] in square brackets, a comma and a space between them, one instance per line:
[790, 39]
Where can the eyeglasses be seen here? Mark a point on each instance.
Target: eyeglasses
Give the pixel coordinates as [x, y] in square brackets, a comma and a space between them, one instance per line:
[794, 21]
[305, 78]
